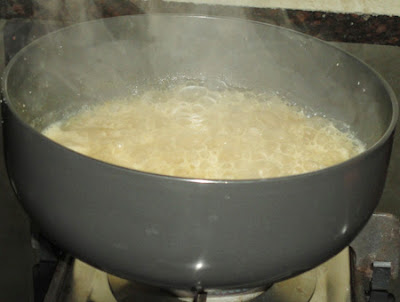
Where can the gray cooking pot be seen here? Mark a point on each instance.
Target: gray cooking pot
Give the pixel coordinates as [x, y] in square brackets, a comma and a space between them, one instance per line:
[182, 232]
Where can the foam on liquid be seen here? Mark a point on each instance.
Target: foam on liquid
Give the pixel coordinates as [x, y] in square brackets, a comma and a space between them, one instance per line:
[191, 131]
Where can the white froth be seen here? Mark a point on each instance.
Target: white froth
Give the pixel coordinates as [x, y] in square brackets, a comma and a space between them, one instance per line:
[194, 132]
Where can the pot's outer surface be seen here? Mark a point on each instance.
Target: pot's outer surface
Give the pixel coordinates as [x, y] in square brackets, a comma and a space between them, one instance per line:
[176, 232]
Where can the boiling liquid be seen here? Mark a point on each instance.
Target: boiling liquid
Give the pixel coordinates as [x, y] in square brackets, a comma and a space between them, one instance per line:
[195, 132]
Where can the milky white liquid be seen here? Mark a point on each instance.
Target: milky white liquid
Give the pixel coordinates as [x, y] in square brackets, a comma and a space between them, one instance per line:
[191, 131]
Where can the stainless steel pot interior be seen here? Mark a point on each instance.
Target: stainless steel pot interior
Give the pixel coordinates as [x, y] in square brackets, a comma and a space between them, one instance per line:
[176, 232]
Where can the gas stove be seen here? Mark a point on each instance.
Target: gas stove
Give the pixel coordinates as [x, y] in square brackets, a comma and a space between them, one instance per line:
[89, 284]
[366, 271]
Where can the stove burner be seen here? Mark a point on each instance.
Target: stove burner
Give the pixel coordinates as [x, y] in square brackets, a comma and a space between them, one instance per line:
[298, 289]
[218, 295]
[76, 281]
[366, 271]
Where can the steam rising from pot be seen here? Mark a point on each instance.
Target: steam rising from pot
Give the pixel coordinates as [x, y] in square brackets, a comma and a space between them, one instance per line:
[74, 68]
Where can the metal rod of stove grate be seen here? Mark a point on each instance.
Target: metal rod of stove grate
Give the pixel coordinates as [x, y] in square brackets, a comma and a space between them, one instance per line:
[60, 278]
[200, 296]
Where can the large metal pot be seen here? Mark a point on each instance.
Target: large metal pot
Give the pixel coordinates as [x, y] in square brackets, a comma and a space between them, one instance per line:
[180, 232]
